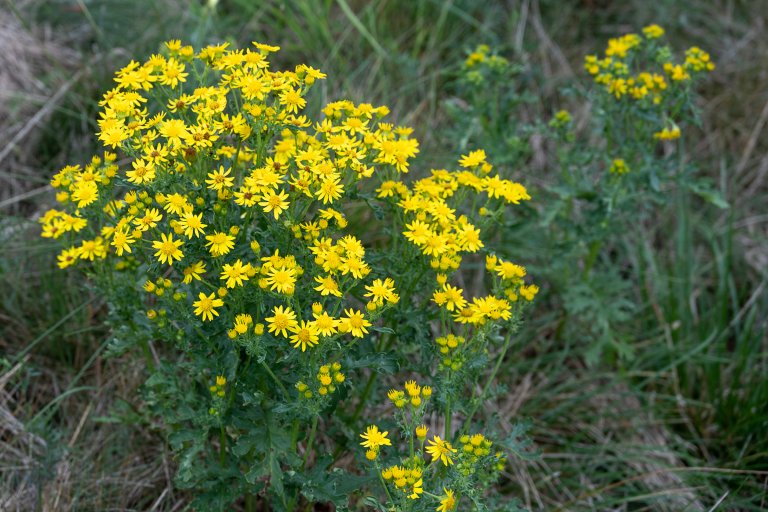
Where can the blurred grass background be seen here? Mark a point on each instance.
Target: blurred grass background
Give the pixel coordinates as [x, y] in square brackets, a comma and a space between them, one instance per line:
[682, 426]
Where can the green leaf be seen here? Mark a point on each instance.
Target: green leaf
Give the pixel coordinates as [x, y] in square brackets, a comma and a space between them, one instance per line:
[710, 195]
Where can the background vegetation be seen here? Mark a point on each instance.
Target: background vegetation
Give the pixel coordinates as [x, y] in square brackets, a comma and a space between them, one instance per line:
[679, 425]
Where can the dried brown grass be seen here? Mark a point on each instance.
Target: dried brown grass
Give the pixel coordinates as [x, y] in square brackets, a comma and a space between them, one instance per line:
[33, 82]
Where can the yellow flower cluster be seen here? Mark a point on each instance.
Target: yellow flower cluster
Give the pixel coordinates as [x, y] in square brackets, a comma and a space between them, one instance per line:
[441, 449]
[413, 394]
[619, 166]
[373, 440]
[407, 480]
[561, 119]
[475, 446]
[447, 346]
[218, 388]
[328, 377]
[433, 224]
[216, 160]
[481, 61]
[614, 71]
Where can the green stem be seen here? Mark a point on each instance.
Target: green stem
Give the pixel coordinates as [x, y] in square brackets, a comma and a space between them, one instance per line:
[294, 435]
[250, 504]
[594, 249]
[384, 484]
[448, 416]
[223, 446]
[274, 377]
[310, 442]
[147, 354]
[483, 395]
[364, 398]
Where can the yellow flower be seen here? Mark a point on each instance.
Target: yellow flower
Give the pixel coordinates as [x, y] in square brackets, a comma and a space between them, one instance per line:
[354, 323]
[292, 100]
[143, 172]
[284, 319]
[175, 203]
[653, 31]
[447, 501]
[219, 180]
[67, 257]
[330, 190]
[325, 324]
[150, 219]
[235, 274]
[168, 249]
[304, 335]
[473, 159]
[619, 166]
[374, 438]
[453, 297]
[381, 290]
[85, 193]
[205, 306]
[281, 279]
[275, 202]
[440, 449]
[194, 271]
[220, 243]
[122, 242]
[192, 224]
[327, 286]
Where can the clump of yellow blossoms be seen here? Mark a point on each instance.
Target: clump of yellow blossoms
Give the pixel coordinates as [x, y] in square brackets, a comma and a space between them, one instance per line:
[641, 69]
[224, 219]
[641, 82]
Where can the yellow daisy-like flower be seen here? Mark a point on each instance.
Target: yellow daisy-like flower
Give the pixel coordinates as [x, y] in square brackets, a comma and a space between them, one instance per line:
[192, 224]
[281, 279]
[143, 172]
[330, 190]
[168, 249]
[150, 219]
[374, 438]
[67, 257]
[440, 449]
[327, 286]
[473, 159]
[122, 242]
[447, 501]
[205, 306]
[85, 193]
[381, 290]
[354, 323]
[175, 203]
[194, 271]
[235, 273]
[284, 319]
[325, 324]
[219, 180]
[304, 335]
[220, 243]
[275, 202]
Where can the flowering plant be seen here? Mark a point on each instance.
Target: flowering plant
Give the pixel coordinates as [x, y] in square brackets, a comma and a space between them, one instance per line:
[286, 264]
[605, 172]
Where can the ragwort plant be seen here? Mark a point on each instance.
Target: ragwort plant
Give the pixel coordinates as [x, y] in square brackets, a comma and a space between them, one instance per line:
[216, 222]
[629, 160]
